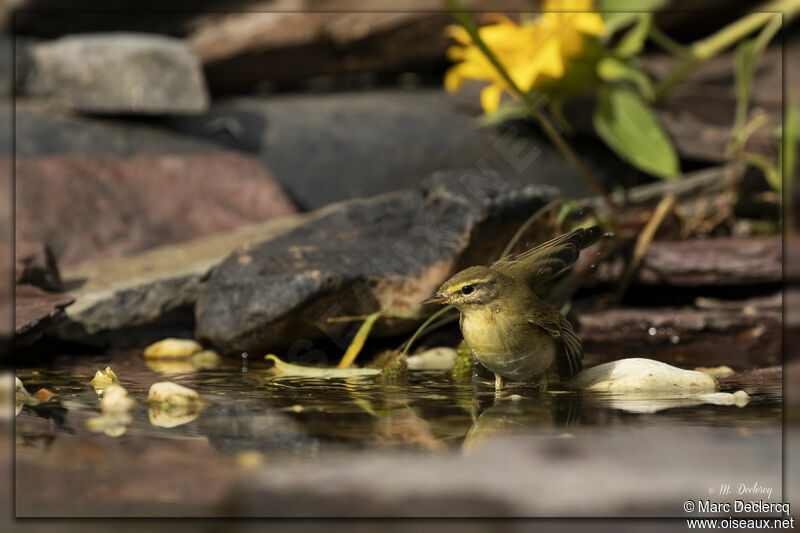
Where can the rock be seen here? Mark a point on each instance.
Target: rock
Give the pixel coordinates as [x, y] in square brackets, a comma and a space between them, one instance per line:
[130, 291]
[139, 202]
[442, 358]
[240, 50]
[642, 375]
[718, 372]
[684, 336]
[35, 264]
[45, 18]
[173, 394]
[703, 263]
[172, 348]
[114, 73]
[738, 398]
[368, 142]
[35, 310]
[205, 360]
[358, 257]
[115, 398]
[103, 379]
[41, 130]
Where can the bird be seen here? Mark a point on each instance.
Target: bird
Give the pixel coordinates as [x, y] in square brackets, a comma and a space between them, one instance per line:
[509, 329]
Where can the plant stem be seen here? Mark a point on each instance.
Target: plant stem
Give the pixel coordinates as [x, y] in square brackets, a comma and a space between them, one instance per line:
[707, 48]
[643, 243]
[533, 102]
[666, 43]
[434, 316]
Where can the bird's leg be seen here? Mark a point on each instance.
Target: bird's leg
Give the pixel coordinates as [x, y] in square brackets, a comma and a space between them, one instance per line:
[499, 382]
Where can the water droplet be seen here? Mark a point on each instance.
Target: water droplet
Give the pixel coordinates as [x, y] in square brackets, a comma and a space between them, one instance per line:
[244, 355]
[651, 331]
[675, 339]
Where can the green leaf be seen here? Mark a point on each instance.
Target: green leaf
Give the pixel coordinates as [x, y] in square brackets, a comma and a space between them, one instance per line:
[613, 69]
[746, 57]
[633, 41]
[283, 368]
[629, 127]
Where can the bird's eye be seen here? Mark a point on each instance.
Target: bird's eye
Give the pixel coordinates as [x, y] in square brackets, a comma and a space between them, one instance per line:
[467, 289]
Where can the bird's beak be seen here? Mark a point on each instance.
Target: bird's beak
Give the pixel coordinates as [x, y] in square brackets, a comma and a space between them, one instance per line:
[435, 299]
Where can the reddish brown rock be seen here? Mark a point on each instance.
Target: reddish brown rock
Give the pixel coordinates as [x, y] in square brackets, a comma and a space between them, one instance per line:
[742, 339]
[34, 309]
[98, 207]
[702, 263]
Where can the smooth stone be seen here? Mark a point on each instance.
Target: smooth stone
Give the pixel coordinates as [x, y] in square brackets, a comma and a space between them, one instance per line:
[442, 358]
[173, 394]
[738, 398]
[718, 371]
[172, 348]
[119, 73]
[643, 375]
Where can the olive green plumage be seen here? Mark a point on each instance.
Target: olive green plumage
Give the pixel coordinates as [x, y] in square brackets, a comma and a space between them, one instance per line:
[509, 329]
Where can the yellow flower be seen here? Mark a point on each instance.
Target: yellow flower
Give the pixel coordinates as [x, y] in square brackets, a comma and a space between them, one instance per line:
[529, 52]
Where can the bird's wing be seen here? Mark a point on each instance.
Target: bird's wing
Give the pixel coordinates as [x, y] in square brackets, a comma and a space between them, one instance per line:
[550, 258]
[570, 349]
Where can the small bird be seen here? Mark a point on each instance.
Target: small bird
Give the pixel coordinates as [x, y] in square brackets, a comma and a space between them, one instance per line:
[510, 330]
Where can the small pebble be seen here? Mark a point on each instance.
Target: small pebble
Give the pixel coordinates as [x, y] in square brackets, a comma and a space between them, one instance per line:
[167, 392]
[169, 348]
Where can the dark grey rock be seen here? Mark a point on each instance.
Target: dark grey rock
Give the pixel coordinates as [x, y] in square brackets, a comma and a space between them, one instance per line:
[114, 73]
[387, 252]
[330, 147]
[40, 130]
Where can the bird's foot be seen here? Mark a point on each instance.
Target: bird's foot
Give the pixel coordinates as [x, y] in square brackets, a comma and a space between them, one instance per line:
[499, 382]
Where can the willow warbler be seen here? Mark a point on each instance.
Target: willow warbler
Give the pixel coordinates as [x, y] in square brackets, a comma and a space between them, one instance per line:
[510, 330]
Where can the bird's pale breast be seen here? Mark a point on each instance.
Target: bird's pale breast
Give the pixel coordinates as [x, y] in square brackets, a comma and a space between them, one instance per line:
[507, 345]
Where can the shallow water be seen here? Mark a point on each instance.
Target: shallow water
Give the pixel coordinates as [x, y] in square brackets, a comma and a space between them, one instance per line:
[254, 418]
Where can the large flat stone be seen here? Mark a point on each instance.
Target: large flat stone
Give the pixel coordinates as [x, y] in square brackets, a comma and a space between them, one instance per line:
[385, 253]
[331, 147]
[88, 208]
[117, 73]
[129, 291]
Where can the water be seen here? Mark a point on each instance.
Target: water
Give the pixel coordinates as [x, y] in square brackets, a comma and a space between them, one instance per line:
[254, 420]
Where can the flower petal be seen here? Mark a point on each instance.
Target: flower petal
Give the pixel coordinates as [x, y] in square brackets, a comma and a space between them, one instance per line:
[459, 33]
[490, 97]
[453, 79]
